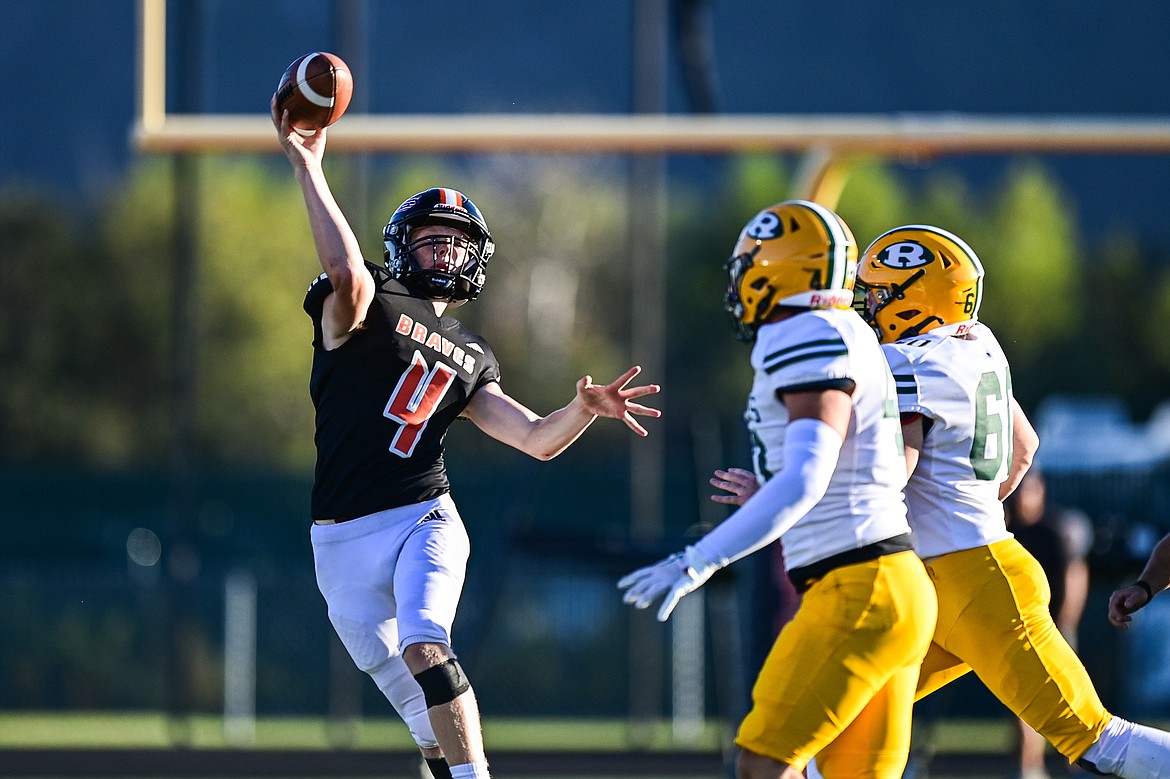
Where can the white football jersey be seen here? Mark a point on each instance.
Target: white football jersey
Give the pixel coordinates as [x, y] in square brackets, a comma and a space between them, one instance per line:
[863, 503]
[963, 389]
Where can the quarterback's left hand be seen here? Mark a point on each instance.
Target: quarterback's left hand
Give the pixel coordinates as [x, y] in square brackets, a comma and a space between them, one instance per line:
[614, 400]
[676, 576]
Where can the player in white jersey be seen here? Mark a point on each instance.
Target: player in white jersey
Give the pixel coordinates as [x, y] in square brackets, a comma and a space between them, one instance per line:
[827, 446]
[968, 444]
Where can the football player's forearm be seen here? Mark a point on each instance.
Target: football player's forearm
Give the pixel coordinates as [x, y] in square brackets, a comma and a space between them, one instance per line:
[811, 449]
[510, 422]
[1157, 570]
[1025, 443]
[337, 246]
[556, 432]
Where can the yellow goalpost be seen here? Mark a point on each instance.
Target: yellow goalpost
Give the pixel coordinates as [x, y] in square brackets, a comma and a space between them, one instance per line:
[827, 136]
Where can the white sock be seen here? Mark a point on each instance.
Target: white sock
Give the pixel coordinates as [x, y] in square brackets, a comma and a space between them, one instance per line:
[811, 771]
[470, 771]
[1148, 756]
[1131, 751]
[1108, 752]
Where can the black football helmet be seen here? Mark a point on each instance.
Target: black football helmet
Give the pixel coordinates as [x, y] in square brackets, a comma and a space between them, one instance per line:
[437, 280]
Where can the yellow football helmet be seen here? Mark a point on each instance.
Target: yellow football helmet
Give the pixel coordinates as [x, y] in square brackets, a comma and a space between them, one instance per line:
[796, 253]
[919, 278]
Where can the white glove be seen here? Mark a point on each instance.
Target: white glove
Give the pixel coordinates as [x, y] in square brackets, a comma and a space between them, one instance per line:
[677, 575]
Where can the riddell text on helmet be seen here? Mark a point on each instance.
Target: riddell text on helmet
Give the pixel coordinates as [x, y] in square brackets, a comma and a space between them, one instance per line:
[830, 299]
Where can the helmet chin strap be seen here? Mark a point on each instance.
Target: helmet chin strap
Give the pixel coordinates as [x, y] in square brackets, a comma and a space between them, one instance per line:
[898, 292]
[918, 328]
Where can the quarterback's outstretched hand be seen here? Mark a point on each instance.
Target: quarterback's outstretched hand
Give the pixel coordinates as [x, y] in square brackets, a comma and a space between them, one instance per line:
[740, 483]
[676, 576]
[613, 400]
[1124, 602]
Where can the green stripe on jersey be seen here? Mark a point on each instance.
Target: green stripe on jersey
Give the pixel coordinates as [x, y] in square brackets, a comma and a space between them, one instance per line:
[805, 345]
[905, 383]
[770, 369]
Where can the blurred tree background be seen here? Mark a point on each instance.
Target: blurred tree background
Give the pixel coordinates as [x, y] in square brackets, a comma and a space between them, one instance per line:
[88, 331]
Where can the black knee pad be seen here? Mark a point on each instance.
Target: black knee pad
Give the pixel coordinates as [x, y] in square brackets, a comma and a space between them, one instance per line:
[438, 767]
[442, 683]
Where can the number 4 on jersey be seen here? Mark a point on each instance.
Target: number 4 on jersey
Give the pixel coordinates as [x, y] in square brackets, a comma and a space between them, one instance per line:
[415, 399]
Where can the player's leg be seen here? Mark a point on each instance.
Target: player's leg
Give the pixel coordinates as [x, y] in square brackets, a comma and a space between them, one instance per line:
[939, 668]
[1008, 637]
[437, 767]
[428, 582]
[877, 742]
[1031, 752]
[855, 629]
[1006, 634]
[354, 563]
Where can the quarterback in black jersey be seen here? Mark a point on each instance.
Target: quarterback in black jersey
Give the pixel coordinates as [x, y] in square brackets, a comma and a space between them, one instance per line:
[390, 374]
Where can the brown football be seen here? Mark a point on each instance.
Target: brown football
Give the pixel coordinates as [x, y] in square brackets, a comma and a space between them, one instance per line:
[316, 89]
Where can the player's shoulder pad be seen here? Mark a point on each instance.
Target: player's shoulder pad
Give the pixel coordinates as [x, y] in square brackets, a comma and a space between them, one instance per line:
[802, 328]
[916, 350]
[800, 348]
[321, 281]
[320, 288]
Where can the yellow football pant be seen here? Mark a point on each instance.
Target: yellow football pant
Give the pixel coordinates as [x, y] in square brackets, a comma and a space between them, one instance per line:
[855, 644]
[993, 618]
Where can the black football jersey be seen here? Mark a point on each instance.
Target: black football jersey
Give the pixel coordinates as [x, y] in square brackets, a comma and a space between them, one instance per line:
[385, 398]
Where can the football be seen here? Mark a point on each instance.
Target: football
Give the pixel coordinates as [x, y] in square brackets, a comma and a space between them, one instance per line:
[316, 89]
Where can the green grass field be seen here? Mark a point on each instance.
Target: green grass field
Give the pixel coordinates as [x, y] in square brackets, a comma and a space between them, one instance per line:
[983, 741]
[145, 731]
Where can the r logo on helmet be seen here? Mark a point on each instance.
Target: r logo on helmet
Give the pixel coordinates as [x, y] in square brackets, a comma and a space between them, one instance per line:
[763, 227]
[904, 255]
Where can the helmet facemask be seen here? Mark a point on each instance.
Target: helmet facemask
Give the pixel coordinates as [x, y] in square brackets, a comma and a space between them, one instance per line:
[440, 267]
[733, 302]
[874, 299]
